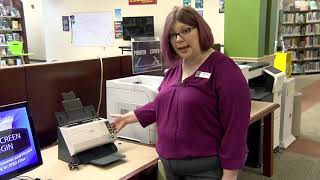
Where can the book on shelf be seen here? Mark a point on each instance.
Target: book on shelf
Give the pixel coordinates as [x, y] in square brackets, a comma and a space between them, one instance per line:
[3, 63]
[304, 5]
[289, 18]
[3, 52]
[297, 4]
[16, 36]
[312, 17]
[300, 6]
[6, 2]
[299, 18]
[15, 12]
[10, 61]
[313, 5]
[297, 68]
[5, 11]
[18, 61]
[4, 24]
[18, 13]
[9, 37]
[296, 30]
[2, 38]
[15, 25]
[312, 66]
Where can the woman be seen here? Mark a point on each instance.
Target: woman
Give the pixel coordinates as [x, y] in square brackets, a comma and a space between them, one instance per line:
[202, 110]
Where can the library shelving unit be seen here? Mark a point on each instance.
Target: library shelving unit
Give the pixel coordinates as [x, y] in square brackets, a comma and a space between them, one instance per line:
[300, 32]
[12, 28]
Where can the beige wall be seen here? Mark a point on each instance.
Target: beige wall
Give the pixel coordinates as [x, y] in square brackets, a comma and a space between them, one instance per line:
[56, 44]
[34, 22]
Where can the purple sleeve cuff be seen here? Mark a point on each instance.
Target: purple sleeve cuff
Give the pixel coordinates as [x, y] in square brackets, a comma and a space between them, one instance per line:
[232, 164]
[146, 114]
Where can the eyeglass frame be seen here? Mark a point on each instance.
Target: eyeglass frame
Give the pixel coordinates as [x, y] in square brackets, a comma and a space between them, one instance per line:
[182, 34]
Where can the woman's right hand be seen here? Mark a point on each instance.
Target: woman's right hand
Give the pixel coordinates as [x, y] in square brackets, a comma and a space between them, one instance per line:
[119, 122]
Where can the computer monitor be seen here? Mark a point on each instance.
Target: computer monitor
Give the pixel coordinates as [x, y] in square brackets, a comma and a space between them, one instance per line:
[19, 149]
[141, 26]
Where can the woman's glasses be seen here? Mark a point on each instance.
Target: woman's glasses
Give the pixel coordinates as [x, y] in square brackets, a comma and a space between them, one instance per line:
[183, 34]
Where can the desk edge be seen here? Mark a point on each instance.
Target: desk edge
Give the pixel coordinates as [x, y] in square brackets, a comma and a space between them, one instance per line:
[263, 113]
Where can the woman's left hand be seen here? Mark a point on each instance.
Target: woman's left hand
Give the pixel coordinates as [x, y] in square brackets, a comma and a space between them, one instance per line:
[229, 174]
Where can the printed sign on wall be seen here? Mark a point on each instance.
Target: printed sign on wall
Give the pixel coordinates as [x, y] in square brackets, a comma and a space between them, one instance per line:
[199, 4]
[221, 6]
[65, 23]
[146, 56]
[118, 29]
[142, 2]
[186, 2]
[118, 15]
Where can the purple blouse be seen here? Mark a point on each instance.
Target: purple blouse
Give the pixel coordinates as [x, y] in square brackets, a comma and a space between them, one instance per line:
[207, 114]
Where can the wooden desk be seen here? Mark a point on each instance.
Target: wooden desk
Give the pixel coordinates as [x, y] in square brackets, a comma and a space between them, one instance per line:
[138, 159]
[263, 111]
[142, 158]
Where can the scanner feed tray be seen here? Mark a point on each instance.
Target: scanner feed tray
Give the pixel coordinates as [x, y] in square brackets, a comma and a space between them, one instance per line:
[101, 156]
[102, 161]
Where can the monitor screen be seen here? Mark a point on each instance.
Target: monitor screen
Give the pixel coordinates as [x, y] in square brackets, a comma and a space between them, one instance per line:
[19, 149]
[137, 27]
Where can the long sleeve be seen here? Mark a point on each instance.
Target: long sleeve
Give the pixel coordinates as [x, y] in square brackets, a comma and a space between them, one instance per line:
[146, 114]
[234, 114]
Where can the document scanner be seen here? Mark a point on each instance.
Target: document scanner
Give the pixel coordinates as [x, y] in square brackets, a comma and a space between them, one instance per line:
[84, 138]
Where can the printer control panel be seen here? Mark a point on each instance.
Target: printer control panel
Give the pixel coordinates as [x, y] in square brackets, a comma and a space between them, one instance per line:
[273, 70]
[111, 130]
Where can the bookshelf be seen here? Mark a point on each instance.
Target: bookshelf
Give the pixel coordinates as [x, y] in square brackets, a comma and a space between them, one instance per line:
[300, 33]
[12, 28]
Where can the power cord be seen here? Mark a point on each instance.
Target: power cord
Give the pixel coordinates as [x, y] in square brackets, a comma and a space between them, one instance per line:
[101, 84]
[27, 177]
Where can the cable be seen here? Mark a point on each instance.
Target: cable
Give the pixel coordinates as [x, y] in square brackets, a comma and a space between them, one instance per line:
[101, 84]
[23, 177]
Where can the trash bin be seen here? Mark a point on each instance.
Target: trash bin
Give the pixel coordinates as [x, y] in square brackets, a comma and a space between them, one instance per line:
[296, 115]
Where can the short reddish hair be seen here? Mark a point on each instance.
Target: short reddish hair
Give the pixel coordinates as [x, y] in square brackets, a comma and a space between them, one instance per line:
[189, 16]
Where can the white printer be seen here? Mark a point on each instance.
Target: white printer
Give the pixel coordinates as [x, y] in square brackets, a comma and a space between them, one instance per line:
[126, 94]
[266, 83]
[245, 71]
[268, 87]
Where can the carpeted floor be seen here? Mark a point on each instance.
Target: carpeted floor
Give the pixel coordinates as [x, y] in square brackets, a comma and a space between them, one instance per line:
[288, 166]
[310, 124]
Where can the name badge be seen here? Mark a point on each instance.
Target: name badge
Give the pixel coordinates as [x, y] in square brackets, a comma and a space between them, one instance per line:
[205, 75]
